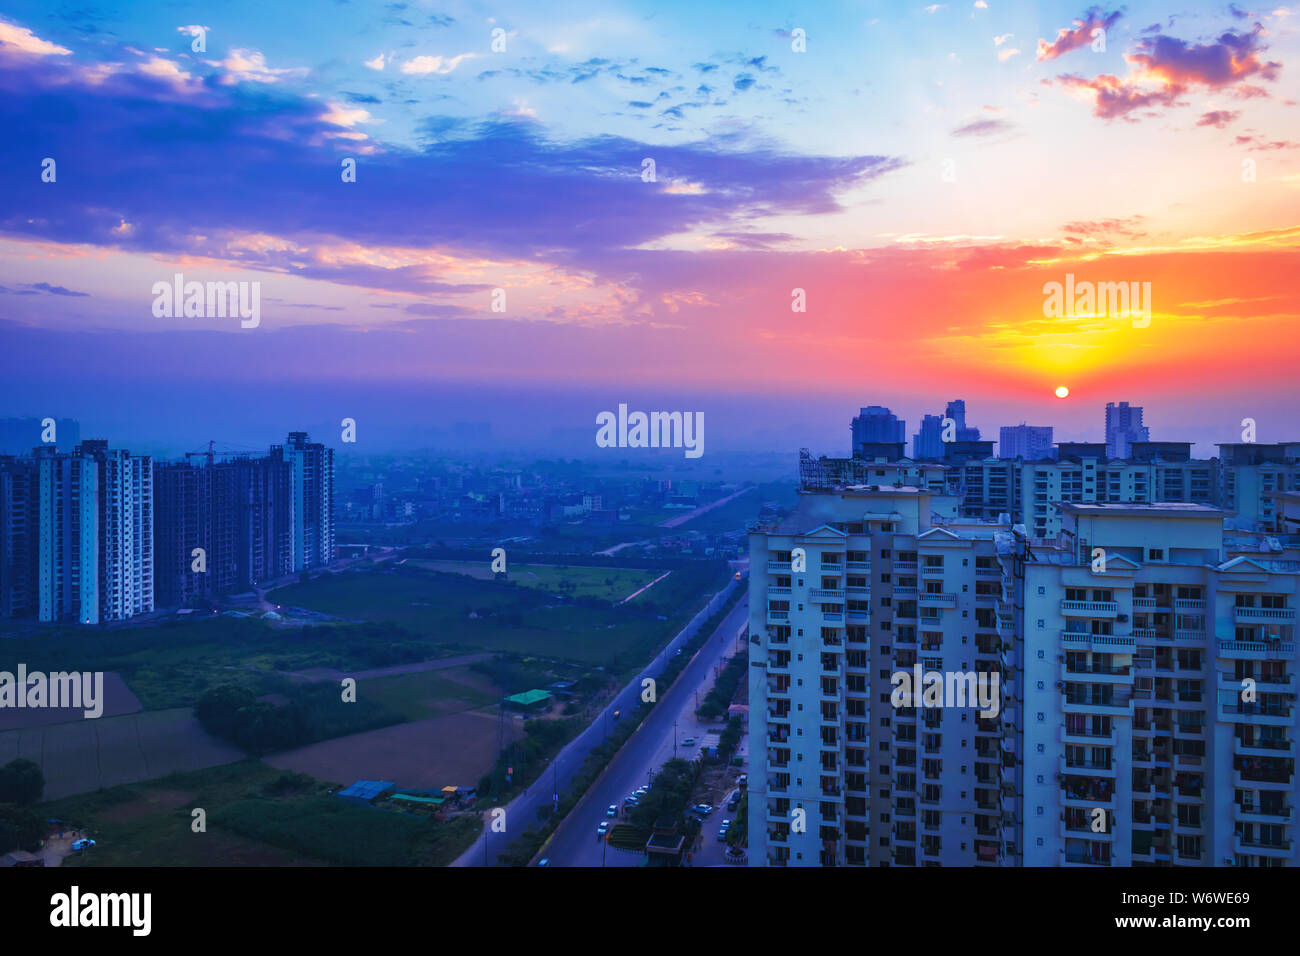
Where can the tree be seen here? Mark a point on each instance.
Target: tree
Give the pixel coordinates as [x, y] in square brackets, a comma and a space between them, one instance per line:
[21, 782]
[20, 828]
[217, 708]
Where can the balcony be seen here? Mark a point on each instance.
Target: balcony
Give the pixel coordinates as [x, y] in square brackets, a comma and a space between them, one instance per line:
[1256, 780]
[777, 617]
[1280, 814]
[833, 617]
[1257, 650]
[1078, 640]
[1263, 615]
[857, 565]
[1186, 604]
[1278, 849]
[1085, 737]
[1095, 674]
[1263, 685]
[778, 566]
[778, 592]
[1263, 747]
[1252, 713]
[827, 594]
[1117, 705]
[1104, 609]
[936, 599]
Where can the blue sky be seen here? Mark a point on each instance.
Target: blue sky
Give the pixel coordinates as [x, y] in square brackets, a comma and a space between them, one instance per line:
[920, 169]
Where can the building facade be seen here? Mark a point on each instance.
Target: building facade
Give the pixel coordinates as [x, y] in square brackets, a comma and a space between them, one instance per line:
[1145, 688]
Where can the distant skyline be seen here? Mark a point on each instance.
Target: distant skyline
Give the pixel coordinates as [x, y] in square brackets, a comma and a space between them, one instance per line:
[916, 176]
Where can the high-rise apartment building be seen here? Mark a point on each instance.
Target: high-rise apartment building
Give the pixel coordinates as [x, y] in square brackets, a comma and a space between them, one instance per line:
[1123, 426]
[311, 500]
[875, 427]
[1145, 688]
[1159, 709]
[19, 536]
[854, 587]
[197, 518]
[1030, 442]
[1250, 473]
[95, 524]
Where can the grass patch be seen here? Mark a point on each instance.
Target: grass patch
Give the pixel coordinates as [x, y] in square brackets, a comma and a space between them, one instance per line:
[256, 816]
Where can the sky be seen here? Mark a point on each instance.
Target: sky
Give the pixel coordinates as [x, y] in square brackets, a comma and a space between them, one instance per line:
[858, 203]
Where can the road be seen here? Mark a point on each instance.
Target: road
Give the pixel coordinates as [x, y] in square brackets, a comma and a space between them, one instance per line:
[521, 812]
[703, 509]
[575, 842]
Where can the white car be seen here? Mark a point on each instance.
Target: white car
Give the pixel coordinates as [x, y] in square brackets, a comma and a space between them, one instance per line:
[603, 828]
[611, 811]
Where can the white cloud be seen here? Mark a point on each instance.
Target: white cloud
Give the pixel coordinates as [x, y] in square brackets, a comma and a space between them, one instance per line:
[1008, 53]
[377, 63]
[998, 41]
[250, 65]
[14, 38]
[424, 65]
[341, 115]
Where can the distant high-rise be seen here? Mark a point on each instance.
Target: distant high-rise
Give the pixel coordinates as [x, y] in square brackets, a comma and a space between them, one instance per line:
[196, 510]
[1030, 442]
[1123, 427]
[928, 442]
[96, 534]
[311, 500]
[877, 426]
[18, 536]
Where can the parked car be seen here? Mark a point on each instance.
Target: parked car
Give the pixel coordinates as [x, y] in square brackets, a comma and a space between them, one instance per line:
[611, 811]
[602, 829]
[688, 742]
[703, 809]
[83, 844]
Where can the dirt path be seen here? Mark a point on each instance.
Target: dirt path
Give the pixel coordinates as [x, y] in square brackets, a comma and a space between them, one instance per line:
[690, 515]
[317, 674]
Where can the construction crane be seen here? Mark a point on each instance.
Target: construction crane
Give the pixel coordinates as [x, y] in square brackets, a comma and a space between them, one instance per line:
[209, 454]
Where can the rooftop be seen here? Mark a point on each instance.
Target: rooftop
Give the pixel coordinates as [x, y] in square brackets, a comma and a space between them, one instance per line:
[1183, 509]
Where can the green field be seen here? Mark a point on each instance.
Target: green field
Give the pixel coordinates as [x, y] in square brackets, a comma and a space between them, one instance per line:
[461, 614]
[430, 693]
[173, 663]
[256, 816]
[605, 584]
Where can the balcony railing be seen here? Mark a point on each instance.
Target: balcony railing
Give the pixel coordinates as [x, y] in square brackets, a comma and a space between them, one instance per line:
[1089, 608]
[1264, 615]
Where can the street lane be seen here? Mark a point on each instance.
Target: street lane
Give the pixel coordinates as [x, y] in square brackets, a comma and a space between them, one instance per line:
[521, 812]
[575, 842]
